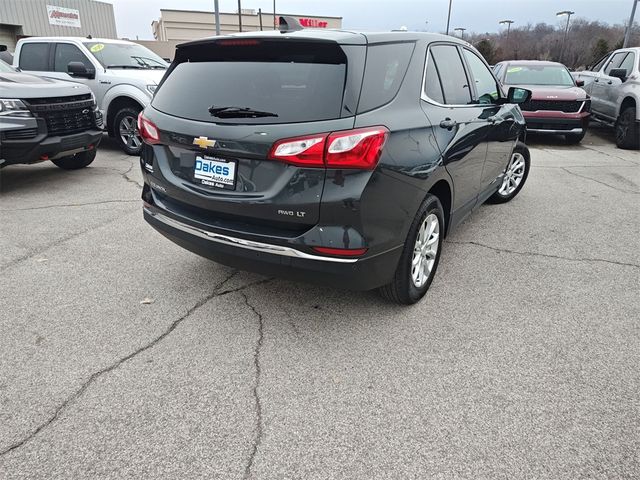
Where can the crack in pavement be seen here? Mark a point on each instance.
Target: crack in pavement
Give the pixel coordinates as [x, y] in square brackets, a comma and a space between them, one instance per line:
[622, 190]
[96, 375]
[62, 240]
[545, 255]
[64, 205]
[256, 385]
[609, 154]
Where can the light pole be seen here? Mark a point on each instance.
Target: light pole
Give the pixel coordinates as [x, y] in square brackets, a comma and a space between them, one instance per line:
[217, 14]
[568, 13]
[461, 30]
[239, 16]
[508, 24]
[627, 35]
[449, 17]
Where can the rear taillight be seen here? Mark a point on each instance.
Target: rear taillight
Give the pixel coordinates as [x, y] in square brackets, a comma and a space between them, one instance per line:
[359, 148]
[301, 151]
[148, 130]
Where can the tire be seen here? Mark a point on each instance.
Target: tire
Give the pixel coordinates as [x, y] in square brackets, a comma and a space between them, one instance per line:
[574, 138]
[628, 130]
[517, 177]
[77, 161]
[404, 289]
[125, 130]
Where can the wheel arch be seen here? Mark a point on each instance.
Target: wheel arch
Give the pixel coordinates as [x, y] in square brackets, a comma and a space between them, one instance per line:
[117, 104]
[443, 191]
[629, 101]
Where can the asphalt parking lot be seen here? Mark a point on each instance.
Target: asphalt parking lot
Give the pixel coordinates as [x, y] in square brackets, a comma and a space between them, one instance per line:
[123, 356]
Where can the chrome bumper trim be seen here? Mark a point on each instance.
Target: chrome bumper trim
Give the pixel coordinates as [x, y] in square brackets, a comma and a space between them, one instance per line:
[542, 130]
[242, 243]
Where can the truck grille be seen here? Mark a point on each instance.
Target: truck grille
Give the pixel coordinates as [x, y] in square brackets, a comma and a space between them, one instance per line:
[64, 115]
[552, 105]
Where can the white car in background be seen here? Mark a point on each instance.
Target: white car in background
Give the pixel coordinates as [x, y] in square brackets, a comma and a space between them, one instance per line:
[123, 76]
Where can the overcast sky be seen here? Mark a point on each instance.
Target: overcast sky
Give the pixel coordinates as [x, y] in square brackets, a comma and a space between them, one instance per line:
[133, 17]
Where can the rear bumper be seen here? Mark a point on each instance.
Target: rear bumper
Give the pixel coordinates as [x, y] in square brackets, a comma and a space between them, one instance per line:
[282, 261]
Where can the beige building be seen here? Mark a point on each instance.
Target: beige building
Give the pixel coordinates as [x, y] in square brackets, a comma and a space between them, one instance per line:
[182, 25]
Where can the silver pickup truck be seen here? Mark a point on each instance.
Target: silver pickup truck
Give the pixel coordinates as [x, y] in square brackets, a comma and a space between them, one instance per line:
[614, 86]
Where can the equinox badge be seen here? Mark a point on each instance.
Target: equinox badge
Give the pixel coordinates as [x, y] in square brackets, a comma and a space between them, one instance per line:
[204, 142]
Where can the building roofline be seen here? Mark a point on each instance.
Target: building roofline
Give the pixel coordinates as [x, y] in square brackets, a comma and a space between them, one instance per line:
[250, 14]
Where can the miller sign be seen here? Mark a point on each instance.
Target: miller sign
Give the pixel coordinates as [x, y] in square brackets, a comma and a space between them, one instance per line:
[64, 17]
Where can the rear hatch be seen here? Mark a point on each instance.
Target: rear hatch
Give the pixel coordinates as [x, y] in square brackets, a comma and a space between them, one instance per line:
[223, 105]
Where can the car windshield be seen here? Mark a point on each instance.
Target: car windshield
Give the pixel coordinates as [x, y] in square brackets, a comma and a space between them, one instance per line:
[5, 68]
[556, 75]
[125, 55]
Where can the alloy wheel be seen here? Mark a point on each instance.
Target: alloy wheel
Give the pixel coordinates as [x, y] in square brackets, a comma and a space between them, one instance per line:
[513, 175]
[425, 250]
[129, 133]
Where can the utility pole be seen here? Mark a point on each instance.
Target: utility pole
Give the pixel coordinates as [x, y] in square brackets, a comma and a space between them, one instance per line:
[461, 30]
[216, 7]
[568, 13]
[239, 16]
[627, 35]
[508, 24]
[274, 15]
[449, 17]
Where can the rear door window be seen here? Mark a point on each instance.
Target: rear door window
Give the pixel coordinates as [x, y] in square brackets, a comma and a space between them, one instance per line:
[34, 57]
[383, 74]
[292, 82]
[454, 79]
[432, 82]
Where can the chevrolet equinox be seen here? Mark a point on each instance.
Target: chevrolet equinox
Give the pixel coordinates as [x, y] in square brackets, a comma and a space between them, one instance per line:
[331, 157]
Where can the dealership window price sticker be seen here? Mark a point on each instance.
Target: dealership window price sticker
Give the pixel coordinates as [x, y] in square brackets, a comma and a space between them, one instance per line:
[64, 17]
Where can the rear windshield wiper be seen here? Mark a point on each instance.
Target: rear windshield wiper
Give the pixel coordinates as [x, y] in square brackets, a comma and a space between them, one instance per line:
[238, 112]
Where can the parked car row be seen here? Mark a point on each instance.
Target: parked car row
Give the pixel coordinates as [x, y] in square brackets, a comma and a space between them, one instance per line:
[564, 102]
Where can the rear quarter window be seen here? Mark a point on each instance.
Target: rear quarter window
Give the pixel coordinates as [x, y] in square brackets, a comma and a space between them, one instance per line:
[383, 74]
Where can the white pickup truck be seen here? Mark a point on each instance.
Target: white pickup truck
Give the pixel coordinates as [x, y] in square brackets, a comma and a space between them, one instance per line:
[614, 86]
[122, 75]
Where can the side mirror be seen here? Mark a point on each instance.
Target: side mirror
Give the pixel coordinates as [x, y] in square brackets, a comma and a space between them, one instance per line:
[620, 73]
[78, 69]
[579, 83]
[518, 95]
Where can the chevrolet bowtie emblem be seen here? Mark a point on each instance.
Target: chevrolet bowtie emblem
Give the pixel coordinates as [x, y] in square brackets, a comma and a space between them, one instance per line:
[204, 142]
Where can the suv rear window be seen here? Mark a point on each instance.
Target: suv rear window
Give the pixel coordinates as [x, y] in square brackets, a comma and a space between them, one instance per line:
[296, 82]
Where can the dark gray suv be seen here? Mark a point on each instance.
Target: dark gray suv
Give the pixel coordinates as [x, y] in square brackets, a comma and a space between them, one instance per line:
[331, 157]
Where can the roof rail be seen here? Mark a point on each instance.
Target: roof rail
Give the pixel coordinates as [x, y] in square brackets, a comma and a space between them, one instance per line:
[289, 24]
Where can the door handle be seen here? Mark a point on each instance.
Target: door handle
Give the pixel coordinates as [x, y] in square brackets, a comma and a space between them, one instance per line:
[609, 82]
[597, 81]
[448, 123]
